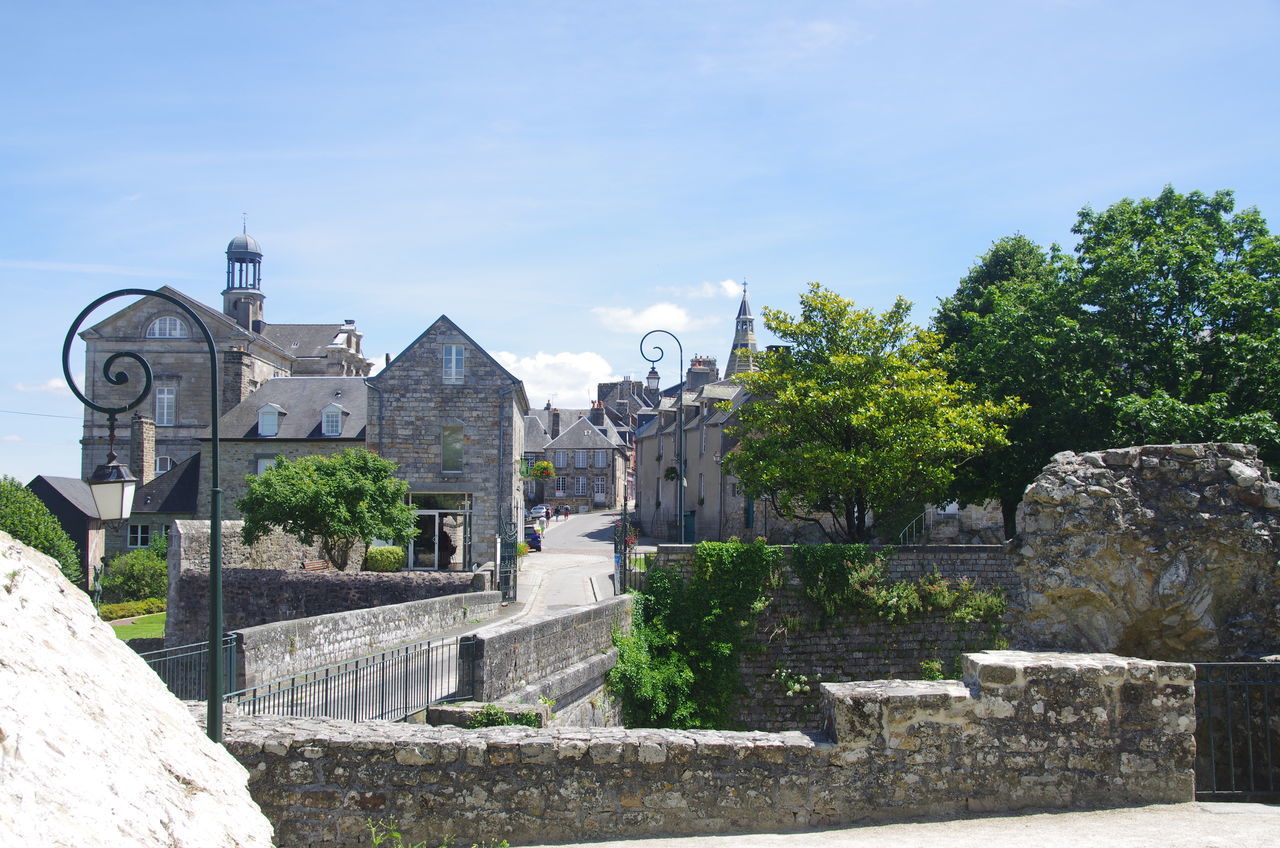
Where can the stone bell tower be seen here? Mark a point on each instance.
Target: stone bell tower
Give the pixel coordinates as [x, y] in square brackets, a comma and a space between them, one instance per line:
[744, 338]
[242, 298]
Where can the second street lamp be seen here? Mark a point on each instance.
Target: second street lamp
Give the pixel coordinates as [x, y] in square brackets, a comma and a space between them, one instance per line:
[653, 383]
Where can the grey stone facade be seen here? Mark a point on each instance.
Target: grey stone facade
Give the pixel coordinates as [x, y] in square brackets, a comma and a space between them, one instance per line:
[415, 407]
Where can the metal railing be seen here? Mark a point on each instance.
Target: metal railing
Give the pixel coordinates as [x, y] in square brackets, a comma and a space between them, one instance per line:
[185, 669]
[388, 685]
[1238, 731]
[916, 530]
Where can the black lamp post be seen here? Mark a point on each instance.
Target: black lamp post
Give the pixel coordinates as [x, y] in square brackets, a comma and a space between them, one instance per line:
[653, 382]
[112, 484]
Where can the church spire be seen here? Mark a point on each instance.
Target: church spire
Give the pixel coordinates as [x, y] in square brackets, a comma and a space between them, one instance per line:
[741, 355]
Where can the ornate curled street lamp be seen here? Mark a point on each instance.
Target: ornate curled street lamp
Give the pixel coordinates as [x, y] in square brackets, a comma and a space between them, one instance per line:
[112, 484]
[652, 380]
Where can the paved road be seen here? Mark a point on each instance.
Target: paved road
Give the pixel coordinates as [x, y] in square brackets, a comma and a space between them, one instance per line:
[574, 566]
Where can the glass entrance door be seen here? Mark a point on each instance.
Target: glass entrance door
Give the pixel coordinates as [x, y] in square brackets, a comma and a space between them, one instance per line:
[443, 542]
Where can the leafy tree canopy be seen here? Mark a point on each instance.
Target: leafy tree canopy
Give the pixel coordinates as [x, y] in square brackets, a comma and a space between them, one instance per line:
[857, 417]
[336, 500]
[1162, 328]
[25, 517]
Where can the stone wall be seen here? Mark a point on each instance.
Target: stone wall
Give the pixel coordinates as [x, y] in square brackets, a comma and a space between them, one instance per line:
[251, 597]
[794, 649]
[274, 651]
[189, 548]
[1163, 551]
[562, 655]
[1023, 730]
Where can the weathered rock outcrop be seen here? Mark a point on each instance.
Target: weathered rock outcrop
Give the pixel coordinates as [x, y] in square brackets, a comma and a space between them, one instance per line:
[94, 751]
[1159, 551]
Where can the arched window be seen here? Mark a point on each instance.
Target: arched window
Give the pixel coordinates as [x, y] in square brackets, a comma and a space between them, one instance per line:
[167, 327]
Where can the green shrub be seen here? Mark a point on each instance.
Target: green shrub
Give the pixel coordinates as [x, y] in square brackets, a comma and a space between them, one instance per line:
[130, 609]
[388, 558]
[522, 549]
[492, 715]
[25, 517]
[135, 576]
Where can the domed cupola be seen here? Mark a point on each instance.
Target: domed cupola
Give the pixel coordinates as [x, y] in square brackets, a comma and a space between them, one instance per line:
[242, 298]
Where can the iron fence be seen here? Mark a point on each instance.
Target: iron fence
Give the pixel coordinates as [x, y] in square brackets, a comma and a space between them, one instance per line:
[388, 685]
[185, 669]
[1237, 732]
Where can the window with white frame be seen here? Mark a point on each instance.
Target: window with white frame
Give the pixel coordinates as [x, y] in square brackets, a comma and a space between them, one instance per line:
[167, 327]
[560, 487]
[269, 420]
[580, 486]
[163, 464]
[454, 356]
[602, 459]
[331, 420]
[579, 459]
[599, 485]
[139, 535]
[166, 405]
[262, 463]
[562, 458]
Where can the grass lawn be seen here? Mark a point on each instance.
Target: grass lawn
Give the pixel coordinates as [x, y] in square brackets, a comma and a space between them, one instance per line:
[147, 627]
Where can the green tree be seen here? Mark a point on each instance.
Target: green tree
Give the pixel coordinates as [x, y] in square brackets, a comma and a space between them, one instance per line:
[1164, 327]
[337, 500]
[1185, 293]
[1013, 328]
[25, 517]
[135, 576]
[857, 418]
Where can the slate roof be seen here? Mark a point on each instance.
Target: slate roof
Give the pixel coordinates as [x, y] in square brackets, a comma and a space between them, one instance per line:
[535, 434]
[302, 399]
[303, 339]
[581, 434]
[175, 491]
[74, 490]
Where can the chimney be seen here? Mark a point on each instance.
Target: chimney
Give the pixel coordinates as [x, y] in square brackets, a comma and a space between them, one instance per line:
[555, 423]
[142, 448]
[597, 413]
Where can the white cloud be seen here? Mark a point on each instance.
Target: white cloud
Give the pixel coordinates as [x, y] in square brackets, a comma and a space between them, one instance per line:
[52, 386]
[706, 289]
[660, 316]
[566, 379]
[10, 438]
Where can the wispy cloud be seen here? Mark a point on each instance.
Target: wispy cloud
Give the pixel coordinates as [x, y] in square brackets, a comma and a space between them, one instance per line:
[566, 379]
[660, 316]
[10, 438]
[52, 386]
[84, 268]
[724, 288]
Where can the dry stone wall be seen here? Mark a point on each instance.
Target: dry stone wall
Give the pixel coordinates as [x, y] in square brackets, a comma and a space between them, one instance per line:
[252, 597]
[274, 651]
[1022, 730]
[1162, 551]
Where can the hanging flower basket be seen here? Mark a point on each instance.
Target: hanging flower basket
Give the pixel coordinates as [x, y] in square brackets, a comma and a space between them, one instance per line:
[671, 473]
[542, 469]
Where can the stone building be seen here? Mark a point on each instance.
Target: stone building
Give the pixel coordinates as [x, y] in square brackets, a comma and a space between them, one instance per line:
[453, 420]
[590, 457]
[290, 418]
[251, 351]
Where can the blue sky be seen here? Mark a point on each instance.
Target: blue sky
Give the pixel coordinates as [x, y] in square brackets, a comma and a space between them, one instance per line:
[560, 177]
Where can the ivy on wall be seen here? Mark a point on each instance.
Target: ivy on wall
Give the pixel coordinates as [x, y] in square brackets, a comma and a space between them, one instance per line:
[679, 666]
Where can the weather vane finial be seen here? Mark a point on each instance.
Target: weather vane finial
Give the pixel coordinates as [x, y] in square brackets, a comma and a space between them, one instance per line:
[244, 223]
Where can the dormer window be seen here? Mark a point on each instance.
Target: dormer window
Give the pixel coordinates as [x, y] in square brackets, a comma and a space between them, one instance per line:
[167, 327]
[331, 420]
[269, 420]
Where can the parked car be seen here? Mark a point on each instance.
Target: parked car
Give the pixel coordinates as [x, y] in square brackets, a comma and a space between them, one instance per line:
[534, 538]
[540, 511]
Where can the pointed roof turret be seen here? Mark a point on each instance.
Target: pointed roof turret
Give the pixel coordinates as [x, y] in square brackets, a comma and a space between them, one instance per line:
[744, 339]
